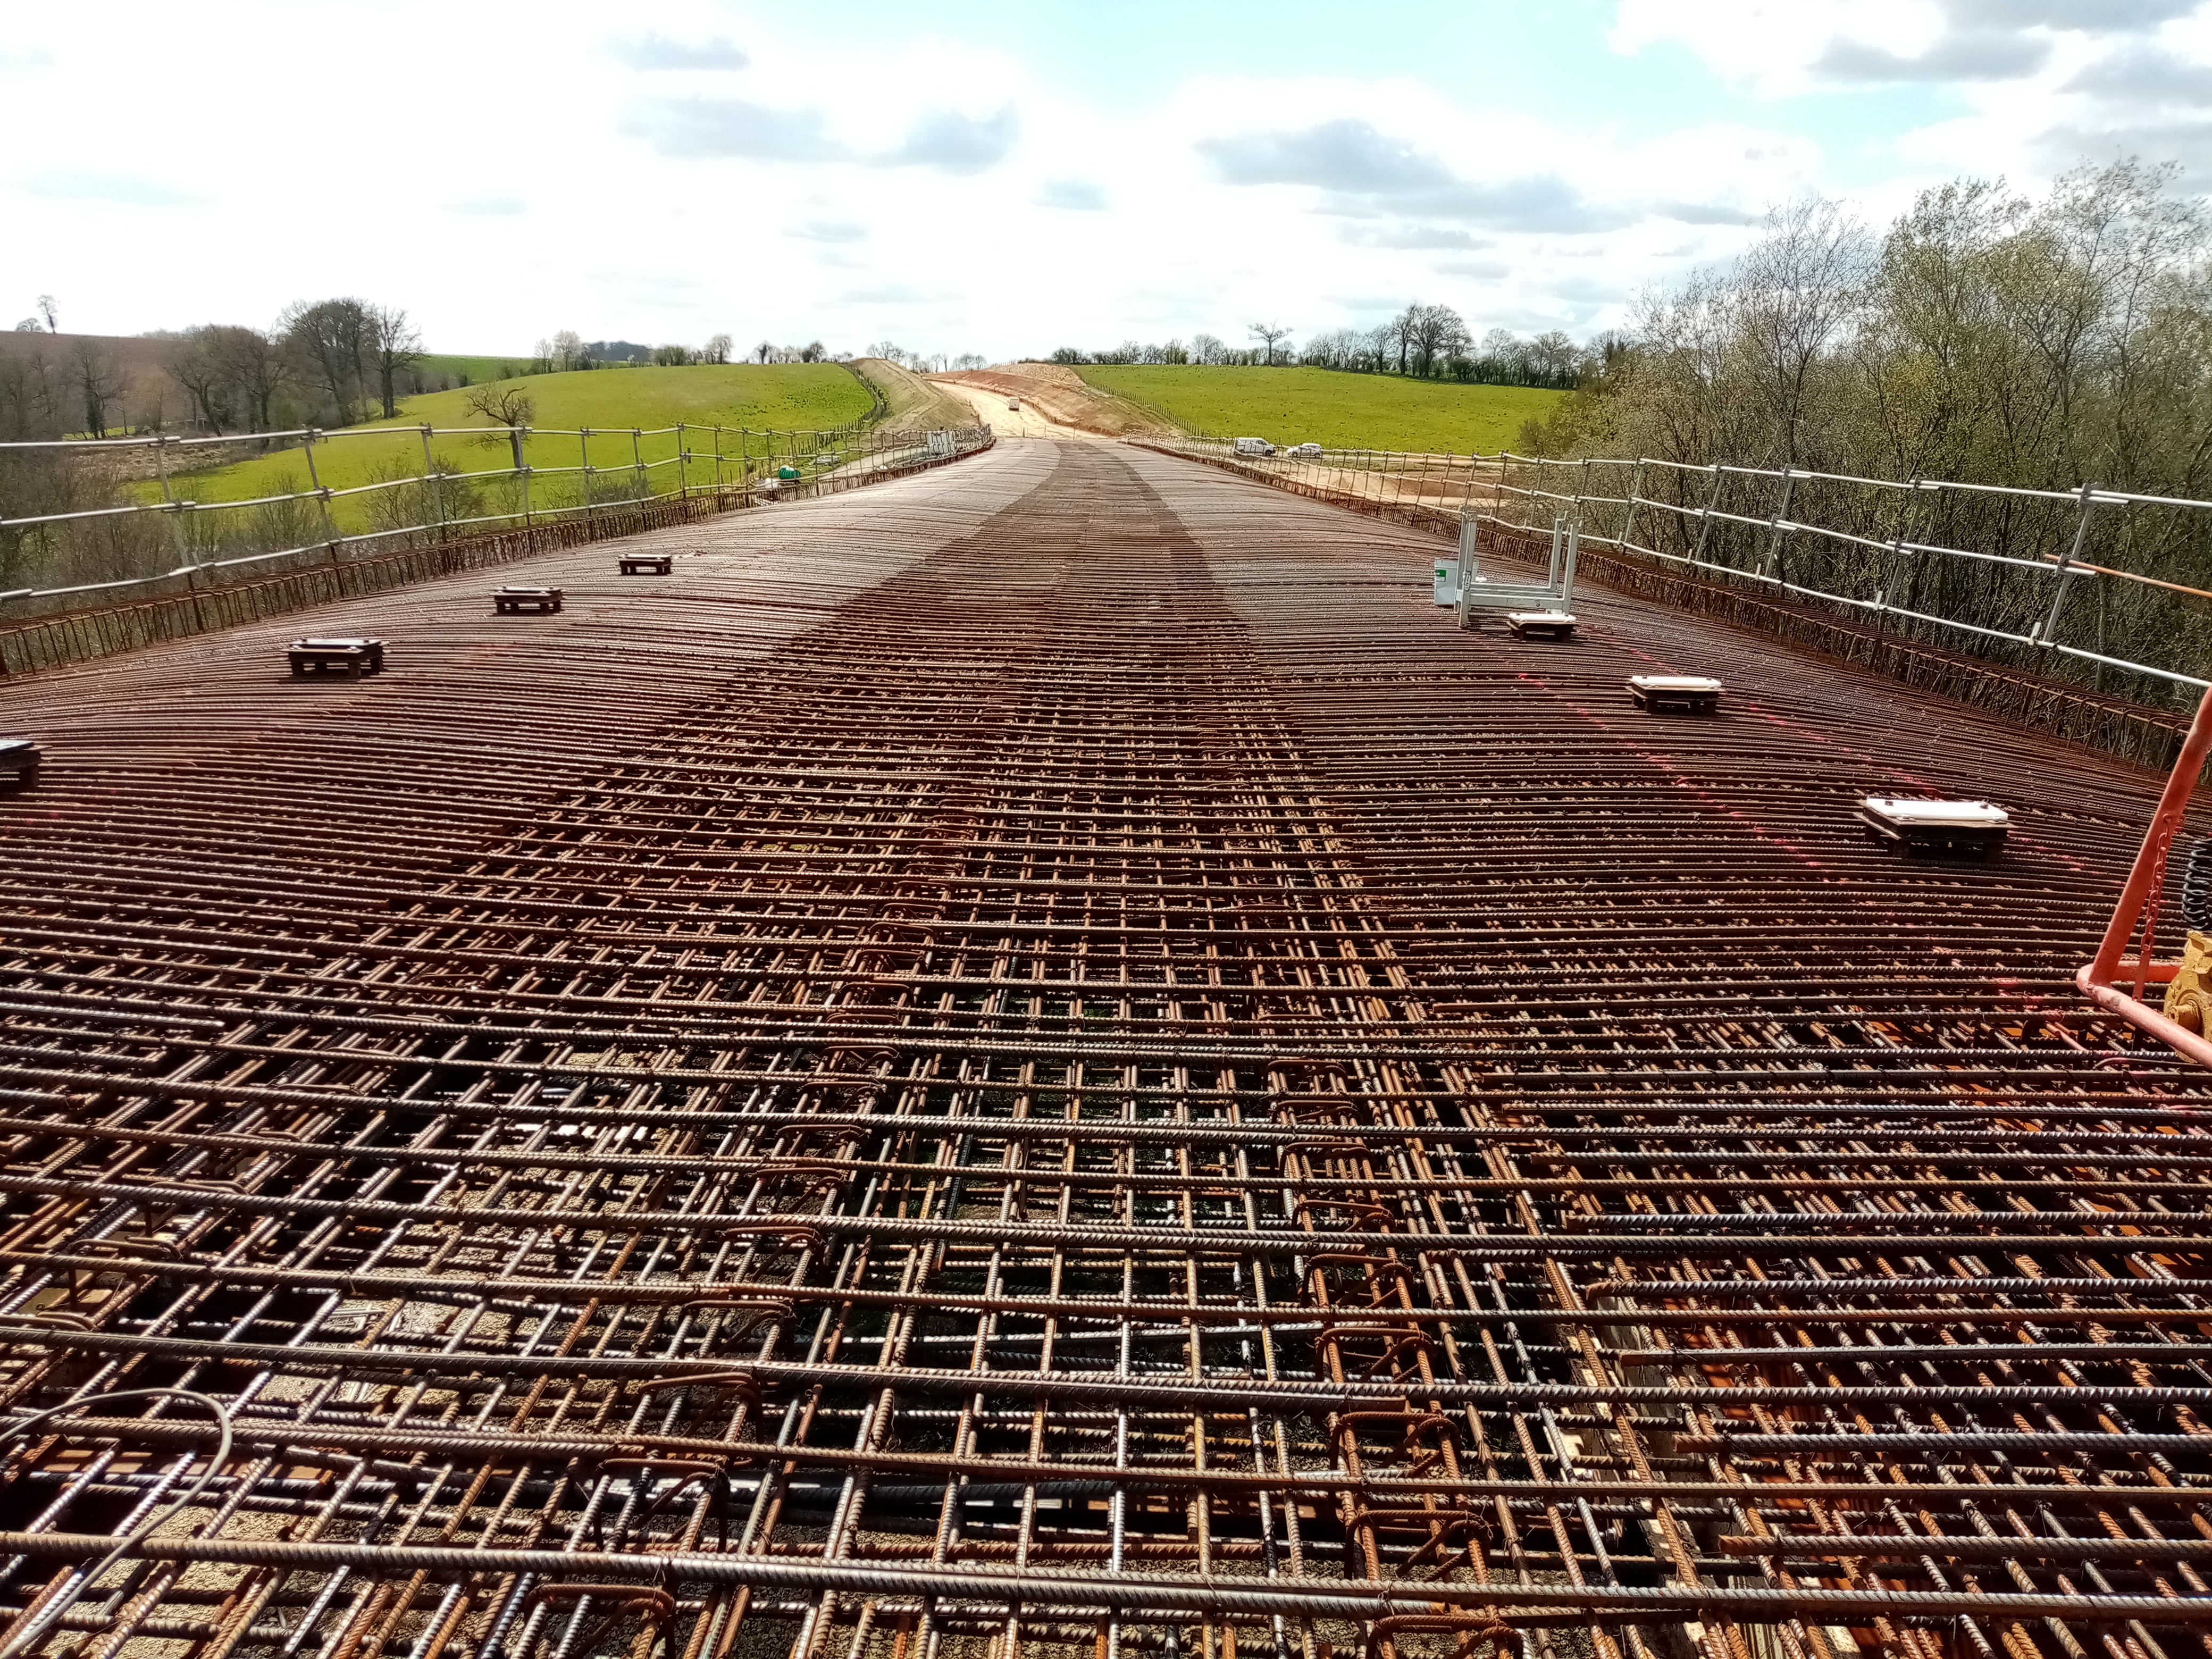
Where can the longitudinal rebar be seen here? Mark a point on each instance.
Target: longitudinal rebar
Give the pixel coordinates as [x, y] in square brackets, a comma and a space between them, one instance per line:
[1045, 1058]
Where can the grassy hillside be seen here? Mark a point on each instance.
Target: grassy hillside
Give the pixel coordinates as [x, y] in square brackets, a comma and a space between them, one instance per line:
[782, 396]
[910, 400]
[478, 369]
[1324, 406]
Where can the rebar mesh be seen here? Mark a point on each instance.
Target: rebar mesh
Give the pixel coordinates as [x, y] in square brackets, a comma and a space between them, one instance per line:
[1047, 1059]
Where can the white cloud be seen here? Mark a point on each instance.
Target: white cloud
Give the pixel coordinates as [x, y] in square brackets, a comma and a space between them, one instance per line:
[728, 174]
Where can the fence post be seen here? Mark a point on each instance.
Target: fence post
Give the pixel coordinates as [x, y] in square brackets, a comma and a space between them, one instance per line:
[1635, 491]
[718, 465]
[1774, 523]
[322, 495]
[1706, 516]
[169, 501]
[437, 483]
[522, 466]
[637, 460]
[745, 461]
[1896, 556]
[2046, 631]
[682, 478]
[591, 511]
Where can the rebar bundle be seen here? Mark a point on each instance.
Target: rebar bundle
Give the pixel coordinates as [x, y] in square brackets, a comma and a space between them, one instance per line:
[1045, 1058]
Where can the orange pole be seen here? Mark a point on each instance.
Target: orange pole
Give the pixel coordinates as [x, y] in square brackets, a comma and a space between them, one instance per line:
[2095, 976]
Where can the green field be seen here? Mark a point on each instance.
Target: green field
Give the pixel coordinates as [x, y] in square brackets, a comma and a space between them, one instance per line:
[478, 369]
[780, 396]
[1325, 406]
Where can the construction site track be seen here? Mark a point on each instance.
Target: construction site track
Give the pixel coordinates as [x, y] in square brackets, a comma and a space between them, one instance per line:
[1045, 1058]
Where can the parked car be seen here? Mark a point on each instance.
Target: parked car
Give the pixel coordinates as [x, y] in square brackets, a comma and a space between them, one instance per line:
[1306, 451]
[1255, 447]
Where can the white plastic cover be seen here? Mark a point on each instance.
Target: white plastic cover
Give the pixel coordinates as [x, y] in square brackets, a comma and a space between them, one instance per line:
[1944, 814]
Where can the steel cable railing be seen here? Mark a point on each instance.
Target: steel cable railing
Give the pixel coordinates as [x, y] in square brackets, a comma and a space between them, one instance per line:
[731, 466]
[1989, 568]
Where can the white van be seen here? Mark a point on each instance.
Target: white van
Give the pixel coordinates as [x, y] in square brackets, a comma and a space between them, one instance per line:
[1255, 447]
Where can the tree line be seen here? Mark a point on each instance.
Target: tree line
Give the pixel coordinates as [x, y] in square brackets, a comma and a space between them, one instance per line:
[1422, 341]
[1985, 337]
[325, 363]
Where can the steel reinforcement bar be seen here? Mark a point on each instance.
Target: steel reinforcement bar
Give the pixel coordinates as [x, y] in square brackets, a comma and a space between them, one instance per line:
[2131, 730]
[201, 599]
[1045, 1058]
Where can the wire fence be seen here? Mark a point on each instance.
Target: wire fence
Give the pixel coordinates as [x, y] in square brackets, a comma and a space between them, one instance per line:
[112, 517]
[2089, 586]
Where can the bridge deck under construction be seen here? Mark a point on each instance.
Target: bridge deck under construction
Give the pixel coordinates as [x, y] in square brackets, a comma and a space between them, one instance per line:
[1045, 1058]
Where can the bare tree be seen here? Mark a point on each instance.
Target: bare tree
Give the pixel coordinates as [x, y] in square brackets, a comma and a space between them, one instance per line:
[507, 405]
[46, 311]
[1268, 333]
[332, 341]
[195, 363]
[1436, 332]
[1554, 355]
[761, 352]
[93, 372]
[567, 350]
[256, 367]
[717, 349]
[393, 345]
[1402, 330]
[1797, 290]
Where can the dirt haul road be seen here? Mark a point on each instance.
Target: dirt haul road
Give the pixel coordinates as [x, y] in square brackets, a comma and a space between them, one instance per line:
[996, 409]
[1056, 401]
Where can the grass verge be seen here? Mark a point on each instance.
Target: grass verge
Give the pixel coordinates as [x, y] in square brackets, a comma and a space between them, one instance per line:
[781, 396]
[1325, 406]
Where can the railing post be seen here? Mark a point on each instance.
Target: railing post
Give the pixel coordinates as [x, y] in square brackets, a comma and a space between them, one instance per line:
[437, 485]
[169, 501]
[1774, 523]
[2046, 631]
[322, 495]
[1635, 494]
[1705, 517]
[591, 510]
[518, 436]
[718, 465]
[682, 478]
[1896, 549]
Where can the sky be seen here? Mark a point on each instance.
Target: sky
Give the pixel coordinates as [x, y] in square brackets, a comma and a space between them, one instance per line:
[1003, 179]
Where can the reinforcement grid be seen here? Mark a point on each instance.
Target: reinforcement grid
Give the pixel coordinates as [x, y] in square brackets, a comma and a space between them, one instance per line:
[1047, 1059]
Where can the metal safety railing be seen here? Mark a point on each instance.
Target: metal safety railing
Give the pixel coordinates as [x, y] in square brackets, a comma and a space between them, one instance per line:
[1993, 569]
[735, 465]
